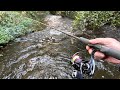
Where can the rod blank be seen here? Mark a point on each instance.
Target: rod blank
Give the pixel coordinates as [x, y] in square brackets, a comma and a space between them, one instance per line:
[107, 51]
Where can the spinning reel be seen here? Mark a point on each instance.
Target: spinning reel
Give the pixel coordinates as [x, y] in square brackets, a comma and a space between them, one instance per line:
[83, 68]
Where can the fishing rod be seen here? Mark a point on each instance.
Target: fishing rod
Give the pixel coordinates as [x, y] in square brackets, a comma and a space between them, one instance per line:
[106, 50]
[86, 68]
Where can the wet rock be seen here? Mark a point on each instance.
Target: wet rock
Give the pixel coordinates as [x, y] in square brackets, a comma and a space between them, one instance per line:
[103, 76]
[41, 41]
[1, 55]
[78, 33]
[53, 40]
[39, 45]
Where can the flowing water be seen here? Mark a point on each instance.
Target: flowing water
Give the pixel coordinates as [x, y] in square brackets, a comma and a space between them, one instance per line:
[46, 54]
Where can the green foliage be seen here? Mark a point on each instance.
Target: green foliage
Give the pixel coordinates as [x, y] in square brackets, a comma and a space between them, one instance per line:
[5, 36]
[36, 15]
[14, 24]
[95, 19]
[91, 19]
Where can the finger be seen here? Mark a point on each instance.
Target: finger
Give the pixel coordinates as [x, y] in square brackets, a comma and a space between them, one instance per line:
[87, 47]
[97, 55]
[113, 60]
[98, 40]
[90, 51]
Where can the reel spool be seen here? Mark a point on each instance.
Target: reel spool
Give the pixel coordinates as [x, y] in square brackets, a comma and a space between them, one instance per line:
[83, 68]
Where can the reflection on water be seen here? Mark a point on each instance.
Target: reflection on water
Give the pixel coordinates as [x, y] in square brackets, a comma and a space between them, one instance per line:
[46, 54]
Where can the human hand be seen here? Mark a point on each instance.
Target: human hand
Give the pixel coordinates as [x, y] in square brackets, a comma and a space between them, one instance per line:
[109, 42]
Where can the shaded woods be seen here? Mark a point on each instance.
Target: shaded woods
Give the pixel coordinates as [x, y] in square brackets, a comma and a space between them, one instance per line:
[16, 23]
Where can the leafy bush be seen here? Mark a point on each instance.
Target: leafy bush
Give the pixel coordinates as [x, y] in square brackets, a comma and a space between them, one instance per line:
[5, 36]
[36, 15]
[95, 19]
[14, 24]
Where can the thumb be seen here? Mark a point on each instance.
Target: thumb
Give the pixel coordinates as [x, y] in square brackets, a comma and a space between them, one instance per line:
[98, 41]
